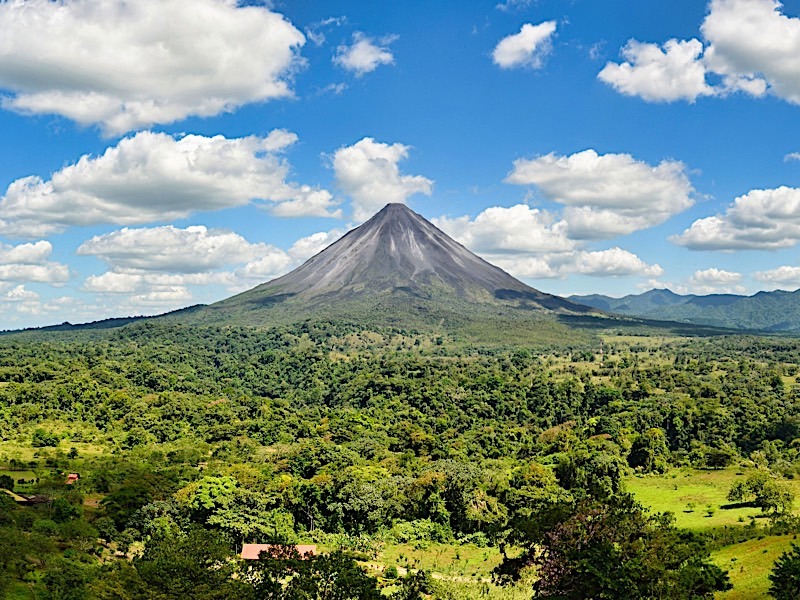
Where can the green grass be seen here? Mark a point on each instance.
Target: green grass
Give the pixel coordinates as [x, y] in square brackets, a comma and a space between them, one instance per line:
[15, 475]
[19, 591]
[748, 565]
[467, 562]
[674, 491]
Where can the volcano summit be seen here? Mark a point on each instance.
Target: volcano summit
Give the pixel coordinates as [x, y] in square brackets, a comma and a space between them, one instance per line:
[395, 264]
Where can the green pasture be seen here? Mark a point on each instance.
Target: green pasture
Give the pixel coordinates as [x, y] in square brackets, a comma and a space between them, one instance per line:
[697, 497]
[464, 563]
[749, 564]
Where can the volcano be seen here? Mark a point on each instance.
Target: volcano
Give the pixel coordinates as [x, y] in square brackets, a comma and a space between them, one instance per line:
[393, 265]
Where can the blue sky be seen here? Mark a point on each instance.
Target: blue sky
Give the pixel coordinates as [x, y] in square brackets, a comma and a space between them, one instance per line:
[162, 153]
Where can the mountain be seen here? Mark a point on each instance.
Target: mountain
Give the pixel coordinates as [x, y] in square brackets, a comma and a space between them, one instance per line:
[777, 311]
[395, 266]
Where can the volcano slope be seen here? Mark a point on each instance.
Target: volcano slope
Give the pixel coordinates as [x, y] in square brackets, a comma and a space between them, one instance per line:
[398, 270]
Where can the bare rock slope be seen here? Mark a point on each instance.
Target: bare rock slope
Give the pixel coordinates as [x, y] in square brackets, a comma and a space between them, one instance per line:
[396, 260]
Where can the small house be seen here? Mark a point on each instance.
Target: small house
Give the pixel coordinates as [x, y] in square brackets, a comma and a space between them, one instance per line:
[72, 478]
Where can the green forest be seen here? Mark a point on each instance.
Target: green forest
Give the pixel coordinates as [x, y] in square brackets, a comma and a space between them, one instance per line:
[616, 463]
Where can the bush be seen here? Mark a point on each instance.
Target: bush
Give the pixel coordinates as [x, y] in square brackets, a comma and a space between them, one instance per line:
[420, 530]
[390, 572]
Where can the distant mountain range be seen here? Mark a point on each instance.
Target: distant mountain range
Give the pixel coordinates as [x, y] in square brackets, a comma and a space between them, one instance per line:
[776, 311]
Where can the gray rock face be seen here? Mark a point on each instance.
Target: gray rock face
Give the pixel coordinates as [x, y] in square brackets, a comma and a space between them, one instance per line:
[397, 249]
[396, 269]
[395, 245]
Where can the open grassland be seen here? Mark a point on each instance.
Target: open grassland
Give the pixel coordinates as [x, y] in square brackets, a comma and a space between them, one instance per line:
[697, 497]
[749, 564]
[464, 563]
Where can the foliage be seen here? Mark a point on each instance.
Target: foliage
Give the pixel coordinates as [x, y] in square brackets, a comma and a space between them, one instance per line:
[763, 491]
[614, 549]
[785, 576]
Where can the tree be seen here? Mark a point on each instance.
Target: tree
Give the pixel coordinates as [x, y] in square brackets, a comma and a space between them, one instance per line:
[201, 558]
[785, 576]
[615, 549]
[284, 575]
[649, 452]
[762, 490]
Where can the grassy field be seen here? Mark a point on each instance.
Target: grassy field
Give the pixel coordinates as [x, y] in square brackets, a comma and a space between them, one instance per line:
[467, 562]
[697, 497]
[748, 565]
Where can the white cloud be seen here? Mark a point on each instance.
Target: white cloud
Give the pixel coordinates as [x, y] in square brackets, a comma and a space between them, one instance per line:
[754, 44]
[162, 266]
[306, 247]
[614, 262]
[528, 48]
[515, 229]
[784, 277]
[510, 5]
[19, 294]
[365, 54]
[35, 253]
[169, 296]
[675, 73]
[29, 262]
[791, 156]
[316, 31]
[171, 249]
[368, 172]
[526, 267]
[607, 195]
[760, 220]
[127, 65]
[750, 46]
[714, 276]
[154, 177]
[530, 243]
[715, 281]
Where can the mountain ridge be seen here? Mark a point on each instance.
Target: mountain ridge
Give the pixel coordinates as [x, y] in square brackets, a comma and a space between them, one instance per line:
[777, 311]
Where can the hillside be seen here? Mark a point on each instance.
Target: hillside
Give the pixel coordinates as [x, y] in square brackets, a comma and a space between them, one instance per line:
[777, 311]
[395, 269]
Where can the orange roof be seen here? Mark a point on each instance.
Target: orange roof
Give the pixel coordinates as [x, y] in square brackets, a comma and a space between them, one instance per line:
[252, 551]
[73, 477]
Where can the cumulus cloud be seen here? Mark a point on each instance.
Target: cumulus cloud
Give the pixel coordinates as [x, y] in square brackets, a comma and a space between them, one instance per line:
[155, 177]
[368, 172]
[791, 156]
[614, 262]
[749, 46]
[716, 281]
[607, 195]
[674, 72]
[528, 48]
[306, 247]
[515, 229]
[127, 65]
[163, 266]
[171, 249]
[786, 277]
[19, 294]
[30, 263]
[531, 243]
[365, 54]
[759, 220]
